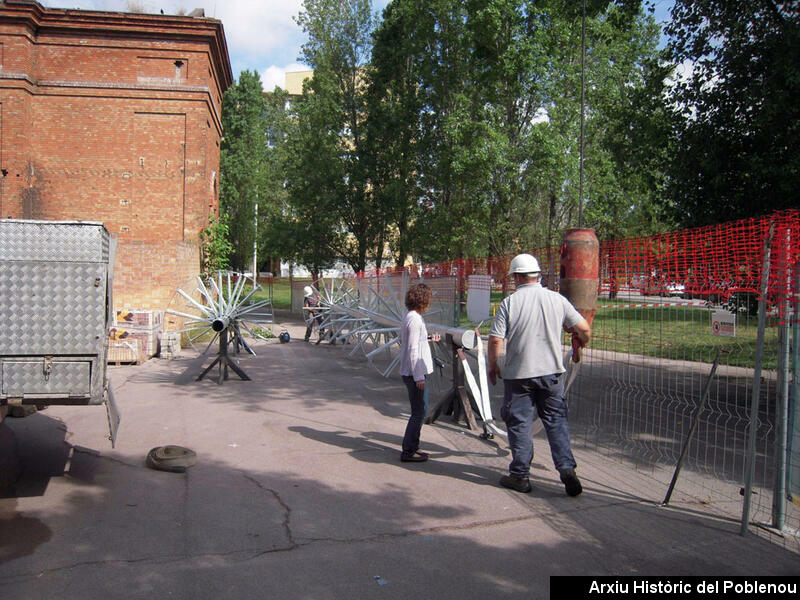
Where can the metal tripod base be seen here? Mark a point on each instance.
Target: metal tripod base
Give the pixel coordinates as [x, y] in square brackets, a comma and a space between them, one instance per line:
[224, 361]
[455, 400]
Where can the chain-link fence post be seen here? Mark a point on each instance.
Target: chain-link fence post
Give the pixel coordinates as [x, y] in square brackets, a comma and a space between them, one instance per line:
[751, 442]
[793, 476]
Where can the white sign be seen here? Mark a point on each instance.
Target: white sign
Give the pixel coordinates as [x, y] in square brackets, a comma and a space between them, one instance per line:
[479, 297]
[723, 323]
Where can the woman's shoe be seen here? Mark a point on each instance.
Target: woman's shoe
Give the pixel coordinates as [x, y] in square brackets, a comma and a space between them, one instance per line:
[416, 457]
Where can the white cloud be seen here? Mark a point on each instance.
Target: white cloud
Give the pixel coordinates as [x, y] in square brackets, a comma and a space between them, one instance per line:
[274, 75]
[256, 31]
[257, 26]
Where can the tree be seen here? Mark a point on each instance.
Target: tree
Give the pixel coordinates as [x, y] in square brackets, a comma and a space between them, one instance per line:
[215, 247]
[485, 95]
[394, 104]
[628, 129]
[311, 226]
[518, 45]
[737, 116]
[242, 163]
[326, 173]
[430, 159]
[275, 229]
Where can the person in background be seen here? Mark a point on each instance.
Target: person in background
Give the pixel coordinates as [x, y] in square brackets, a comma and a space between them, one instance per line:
[530, 321]
[313, 314]
[416, 364]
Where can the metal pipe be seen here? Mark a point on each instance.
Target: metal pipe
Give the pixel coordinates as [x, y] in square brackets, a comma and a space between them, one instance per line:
[220, 323]
[692, 429]
[221, 304]
[203, 309]
[781, 424]
[392, 365]
[379, 348]
[782, 409]
[462, 337]
[794, 401]
[751, 442]
[233, 296]
[243, 310]
[206, 293]
[189, 316]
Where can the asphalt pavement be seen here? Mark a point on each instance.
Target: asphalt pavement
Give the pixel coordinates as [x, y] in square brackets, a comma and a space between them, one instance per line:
[298, 492]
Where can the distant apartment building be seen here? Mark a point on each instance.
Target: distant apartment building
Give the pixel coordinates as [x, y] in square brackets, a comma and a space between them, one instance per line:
[295, 79]
[115, 117]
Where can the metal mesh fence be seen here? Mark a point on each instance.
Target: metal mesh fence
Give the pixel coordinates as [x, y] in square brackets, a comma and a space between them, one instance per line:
[669, 307]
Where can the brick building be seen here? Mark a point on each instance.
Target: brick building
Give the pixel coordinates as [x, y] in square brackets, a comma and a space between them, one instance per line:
[115, 117]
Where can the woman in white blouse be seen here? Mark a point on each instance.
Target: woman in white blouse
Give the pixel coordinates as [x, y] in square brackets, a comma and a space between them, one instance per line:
[415, 366]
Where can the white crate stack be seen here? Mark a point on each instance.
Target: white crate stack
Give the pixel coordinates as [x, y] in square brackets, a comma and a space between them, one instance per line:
[136, 325]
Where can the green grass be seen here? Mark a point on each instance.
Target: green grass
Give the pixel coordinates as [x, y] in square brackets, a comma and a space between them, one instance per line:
[680, 333]
[281, 293]
[673, 332]
[670, 332]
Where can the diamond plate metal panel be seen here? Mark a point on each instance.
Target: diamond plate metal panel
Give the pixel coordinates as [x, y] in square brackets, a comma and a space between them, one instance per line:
[53, 241]
[52, 308]
[21, 378]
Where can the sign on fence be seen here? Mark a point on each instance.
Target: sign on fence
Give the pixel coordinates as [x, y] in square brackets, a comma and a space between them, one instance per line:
[480, 292]
[723, 323]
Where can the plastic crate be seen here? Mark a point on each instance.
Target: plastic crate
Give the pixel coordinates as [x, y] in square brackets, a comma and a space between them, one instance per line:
[125, 352]
[138, 319]
[147, 338]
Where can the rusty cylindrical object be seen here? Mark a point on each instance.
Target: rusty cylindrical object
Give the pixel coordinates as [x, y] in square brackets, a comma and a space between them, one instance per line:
[579, 273]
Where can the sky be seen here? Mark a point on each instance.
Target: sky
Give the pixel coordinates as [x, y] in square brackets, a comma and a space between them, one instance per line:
[261, 34]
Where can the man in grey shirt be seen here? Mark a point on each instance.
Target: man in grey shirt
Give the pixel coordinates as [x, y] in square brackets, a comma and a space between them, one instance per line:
[530, 321]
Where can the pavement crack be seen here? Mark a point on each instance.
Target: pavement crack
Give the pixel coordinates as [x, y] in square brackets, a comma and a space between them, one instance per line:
[157, 560]
[287, 512]
[101, 456]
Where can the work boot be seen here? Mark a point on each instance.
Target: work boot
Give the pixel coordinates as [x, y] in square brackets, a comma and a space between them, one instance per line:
[571, 482]
[519, 484]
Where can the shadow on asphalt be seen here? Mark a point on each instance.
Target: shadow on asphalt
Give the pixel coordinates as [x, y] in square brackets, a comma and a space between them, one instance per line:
[219, 527]
[377, 447]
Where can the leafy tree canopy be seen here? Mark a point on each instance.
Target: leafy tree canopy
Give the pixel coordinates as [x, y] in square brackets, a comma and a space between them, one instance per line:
[737, 118]
[243, 159]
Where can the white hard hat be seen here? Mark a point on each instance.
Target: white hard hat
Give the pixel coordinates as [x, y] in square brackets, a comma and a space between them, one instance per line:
[524, 263]
[308, 291]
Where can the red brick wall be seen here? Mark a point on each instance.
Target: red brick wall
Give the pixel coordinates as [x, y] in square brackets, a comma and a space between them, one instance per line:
[115, 118]
[172, 264]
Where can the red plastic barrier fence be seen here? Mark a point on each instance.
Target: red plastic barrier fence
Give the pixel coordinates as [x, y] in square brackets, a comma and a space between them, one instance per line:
[718, 262]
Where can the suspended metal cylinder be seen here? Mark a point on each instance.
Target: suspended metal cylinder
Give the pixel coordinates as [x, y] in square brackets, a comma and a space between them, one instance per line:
[580, 268]
[220, 323]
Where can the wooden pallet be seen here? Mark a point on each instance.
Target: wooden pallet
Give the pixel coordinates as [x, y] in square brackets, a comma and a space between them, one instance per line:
[124, 352]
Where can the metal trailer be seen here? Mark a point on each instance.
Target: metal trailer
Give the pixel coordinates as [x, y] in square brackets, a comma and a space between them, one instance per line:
[55, 313]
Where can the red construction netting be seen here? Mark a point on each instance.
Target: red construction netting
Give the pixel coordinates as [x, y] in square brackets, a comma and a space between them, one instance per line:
[716, 262]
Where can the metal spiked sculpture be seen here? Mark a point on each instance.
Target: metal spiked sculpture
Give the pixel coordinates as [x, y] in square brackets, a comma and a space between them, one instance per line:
[367, 315]
[222, 311]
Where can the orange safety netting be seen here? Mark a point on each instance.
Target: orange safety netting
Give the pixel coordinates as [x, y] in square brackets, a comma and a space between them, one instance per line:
[714, 262]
